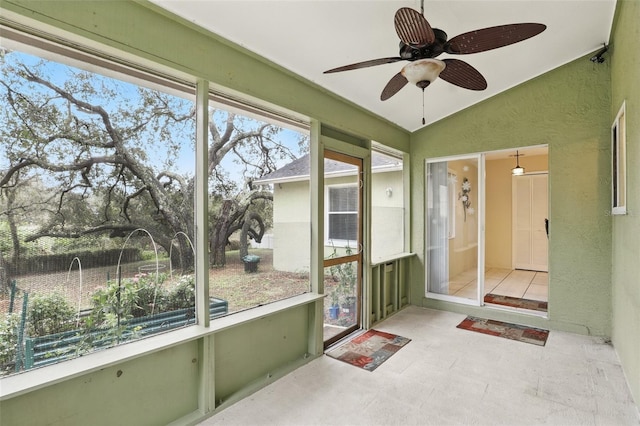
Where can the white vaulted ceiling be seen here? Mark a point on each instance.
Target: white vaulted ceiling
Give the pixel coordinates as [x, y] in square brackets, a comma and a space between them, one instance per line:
[311, 36]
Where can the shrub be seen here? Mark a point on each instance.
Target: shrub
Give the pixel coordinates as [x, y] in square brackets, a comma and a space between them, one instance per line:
[233, 245]
[182, 295]
[41, 263]
[148, 255]
[114, 301]
[50, 313]
[135, 297]
[151, 295]
[8, 340]
[346, 275]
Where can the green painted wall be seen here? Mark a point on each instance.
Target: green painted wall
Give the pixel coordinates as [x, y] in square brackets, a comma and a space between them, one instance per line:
[257, 350]
[568, 109]
[625, 77]
[107, 397]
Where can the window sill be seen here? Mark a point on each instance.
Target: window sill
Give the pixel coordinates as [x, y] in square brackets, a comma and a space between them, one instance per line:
[35, 379]
[392, 258]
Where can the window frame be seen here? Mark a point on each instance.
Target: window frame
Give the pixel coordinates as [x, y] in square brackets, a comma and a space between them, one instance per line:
[619, 163]
[327, 231]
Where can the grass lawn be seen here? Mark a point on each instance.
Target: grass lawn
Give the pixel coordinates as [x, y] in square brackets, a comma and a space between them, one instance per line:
[241, 289]
[245, 290]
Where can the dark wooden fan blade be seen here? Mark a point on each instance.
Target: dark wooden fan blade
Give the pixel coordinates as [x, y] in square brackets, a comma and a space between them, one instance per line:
[492, 38]
[394, 85]
[412, 28]
[364, 64]
[462, 74]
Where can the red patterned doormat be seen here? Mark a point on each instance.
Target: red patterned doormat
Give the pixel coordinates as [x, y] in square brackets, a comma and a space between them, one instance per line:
[369, 349]
[534, 305]
[521, 333]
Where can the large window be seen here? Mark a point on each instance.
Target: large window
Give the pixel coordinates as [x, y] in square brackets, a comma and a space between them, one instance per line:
[97, 174]
[97, 205]
[259, 216]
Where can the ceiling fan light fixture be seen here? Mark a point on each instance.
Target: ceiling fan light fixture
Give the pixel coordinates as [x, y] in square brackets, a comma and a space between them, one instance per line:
[423, 71]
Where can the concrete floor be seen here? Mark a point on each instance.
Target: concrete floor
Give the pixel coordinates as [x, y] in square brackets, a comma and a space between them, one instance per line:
[449, 376]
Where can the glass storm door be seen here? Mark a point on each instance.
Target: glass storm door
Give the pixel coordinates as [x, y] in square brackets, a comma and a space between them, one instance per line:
[343, 245]
[452, 220]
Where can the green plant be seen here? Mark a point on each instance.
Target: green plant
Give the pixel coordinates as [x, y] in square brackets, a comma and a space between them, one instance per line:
[151, 295]
[8, 340]
[233, 245]
[112, 306]
[117, 300]
[130, 298]
[150, 255]
[182, 294]
[50, 313]
[335, 298]
[346, 275]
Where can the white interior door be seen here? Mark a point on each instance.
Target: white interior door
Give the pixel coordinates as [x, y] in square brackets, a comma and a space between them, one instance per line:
[530, 210]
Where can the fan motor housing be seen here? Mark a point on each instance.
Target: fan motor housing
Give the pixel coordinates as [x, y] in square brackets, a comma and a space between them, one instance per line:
[413, 53]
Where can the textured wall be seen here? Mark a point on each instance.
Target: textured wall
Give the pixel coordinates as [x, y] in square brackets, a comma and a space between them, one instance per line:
[124, 394]
[625, 77]
[568, 109]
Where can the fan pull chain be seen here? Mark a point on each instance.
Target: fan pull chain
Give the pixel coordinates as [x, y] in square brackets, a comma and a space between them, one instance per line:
[423, 120]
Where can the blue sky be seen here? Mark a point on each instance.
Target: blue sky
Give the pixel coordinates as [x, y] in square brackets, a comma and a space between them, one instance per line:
[59, 74]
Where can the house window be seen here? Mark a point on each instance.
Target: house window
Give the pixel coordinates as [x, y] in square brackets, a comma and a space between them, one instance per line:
[619, 164]
[342, 212]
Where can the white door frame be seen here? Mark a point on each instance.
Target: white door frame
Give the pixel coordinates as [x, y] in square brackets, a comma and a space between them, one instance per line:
[479, 212]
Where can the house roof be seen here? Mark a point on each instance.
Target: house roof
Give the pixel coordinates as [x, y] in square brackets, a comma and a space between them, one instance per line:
[298, 170]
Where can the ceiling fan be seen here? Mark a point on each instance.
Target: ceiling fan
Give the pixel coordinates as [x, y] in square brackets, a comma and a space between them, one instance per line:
[420, 45]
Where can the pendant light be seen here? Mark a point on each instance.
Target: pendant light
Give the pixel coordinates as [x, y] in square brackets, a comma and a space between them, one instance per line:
[517, 170]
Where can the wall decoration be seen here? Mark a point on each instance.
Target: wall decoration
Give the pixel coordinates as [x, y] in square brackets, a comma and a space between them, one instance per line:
[465, 198]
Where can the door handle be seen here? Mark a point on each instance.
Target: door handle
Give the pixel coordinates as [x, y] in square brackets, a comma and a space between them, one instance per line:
[546, 226]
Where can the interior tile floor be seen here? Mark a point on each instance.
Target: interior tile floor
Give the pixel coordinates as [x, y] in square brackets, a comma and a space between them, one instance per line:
[506, 282]
[449, 376]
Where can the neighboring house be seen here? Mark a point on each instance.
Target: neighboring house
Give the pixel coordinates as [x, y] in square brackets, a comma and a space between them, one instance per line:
[291, 214]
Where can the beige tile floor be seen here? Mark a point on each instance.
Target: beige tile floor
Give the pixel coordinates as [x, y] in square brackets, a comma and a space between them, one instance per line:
[515, 283]
[449, 376]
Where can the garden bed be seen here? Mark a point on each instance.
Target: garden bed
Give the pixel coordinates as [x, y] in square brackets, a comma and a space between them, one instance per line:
[52, 348]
